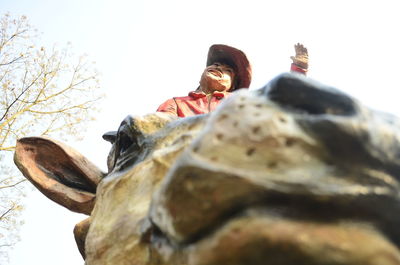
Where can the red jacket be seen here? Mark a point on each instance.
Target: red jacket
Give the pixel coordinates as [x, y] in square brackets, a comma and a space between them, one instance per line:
[198, 103]
[193, 104]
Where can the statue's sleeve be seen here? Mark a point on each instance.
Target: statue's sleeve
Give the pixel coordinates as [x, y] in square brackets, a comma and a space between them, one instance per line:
[297, 69]
[168, 106]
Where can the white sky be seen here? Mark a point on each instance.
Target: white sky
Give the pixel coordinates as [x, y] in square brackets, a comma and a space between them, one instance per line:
[151, 50]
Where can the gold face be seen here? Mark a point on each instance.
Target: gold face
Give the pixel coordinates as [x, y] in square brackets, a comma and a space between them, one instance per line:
[217, 77]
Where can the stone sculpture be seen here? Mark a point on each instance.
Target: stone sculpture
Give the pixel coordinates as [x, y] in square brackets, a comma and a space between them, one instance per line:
[293, 173]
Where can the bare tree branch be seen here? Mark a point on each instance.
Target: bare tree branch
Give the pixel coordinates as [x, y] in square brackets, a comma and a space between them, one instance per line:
[42, 92]
[12, 61]
[15, 100]
[12, 185]
[8, 211]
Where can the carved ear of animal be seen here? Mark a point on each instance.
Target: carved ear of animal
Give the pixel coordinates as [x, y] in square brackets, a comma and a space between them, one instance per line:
[59, 172]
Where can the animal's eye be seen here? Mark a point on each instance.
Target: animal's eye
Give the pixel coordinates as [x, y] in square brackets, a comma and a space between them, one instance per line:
[127, 145]
[125, 142]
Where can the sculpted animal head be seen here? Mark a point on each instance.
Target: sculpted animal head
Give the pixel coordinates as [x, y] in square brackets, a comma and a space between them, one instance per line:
[293, 173]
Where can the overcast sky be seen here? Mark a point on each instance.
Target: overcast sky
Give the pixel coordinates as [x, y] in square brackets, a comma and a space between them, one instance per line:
[151, 50]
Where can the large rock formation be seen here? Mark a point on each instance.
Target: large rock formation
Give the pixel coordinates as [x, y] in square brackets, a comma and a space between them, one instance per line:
[293, 173]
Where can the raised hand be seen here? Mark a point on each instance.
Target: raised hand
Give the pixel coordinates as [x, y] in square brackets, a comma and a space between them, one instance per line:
[301, 58]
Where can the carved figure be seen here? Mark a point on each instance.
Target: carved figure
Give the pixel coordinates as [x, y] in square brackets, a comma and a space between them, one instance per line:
[293, 173]
[227, 70]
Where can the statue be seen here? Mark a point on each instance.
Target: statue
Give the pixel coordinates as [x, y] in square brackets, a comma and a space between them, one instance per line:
[227, 70]
[294, 173]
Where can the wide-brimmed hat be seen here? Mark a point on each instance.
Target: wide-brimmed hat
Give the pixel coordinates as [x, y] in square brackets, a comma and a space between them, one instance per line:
[234, 58]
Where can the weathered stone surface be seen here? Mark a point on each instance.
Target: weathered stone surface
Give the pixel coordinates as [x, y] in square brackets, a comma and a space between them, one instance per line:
[294, 173]
[80, 232]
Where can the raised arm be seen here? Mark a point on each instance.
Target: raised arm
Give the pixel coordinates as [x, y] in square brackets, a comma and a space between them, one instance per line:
[300, 60]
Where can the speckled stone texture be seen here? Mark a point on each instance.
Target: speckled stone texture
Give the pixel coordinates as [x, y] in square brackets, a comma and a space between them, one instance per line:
[293, 173]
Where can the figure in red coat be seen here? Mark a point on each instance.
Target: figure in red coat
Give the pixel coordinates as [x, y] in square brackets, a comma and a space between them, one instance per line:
[227, 69]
